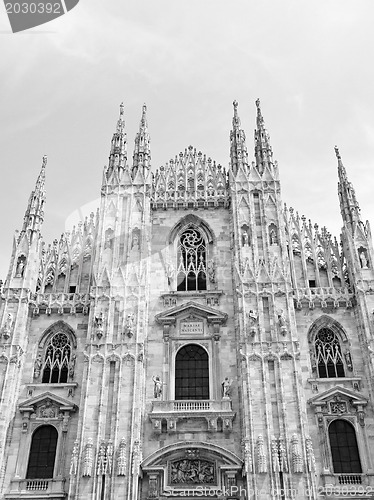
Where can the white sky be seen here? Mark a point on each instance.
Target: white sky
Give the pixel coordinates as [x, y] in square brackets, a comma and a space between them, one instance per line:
[310, 63]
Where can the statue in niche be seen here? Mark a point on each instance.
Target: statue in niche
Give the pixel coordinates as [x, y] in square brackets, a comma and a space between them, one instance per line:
[157, 391]
[20, 269]
[72, 365]
[170, 272]
[226, 388]
[363, 260]
[211, 271]
[245, 236]
[135, 242]
[38, 366]
[130, 324]
[8, 323]
[273, 235]
[252, 318]
[108, 239]
[99, 325]
[282, 322]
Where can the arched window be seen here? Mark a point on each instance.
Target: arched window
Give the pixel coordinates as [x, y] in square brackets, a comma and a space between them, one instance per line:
[57, 357]
[191, 264]
[328, 354]
[192, 373]
[344, 449]
[42, 453]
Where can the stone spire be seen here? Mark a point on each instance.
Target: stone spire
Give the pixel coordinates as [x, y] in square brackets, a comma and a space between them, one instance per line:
[34, 214]
[142, 152]
[118, 149]
[263, 151]
[349, 206]
[239, 154]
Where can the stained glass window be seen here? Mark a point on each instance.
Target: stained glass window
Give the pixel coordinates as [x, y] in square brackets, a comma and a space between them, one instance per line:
[328, 354]
[191, 264]
[57, 357]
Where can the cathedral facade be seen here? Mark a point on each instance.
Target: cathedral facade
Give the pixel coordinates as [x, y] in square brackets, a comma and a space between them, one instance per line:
[195, 338]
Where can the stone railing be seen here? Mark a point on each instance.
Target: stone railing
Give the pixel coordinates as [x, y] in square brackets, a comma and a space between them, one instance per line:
[61, 303]
[191, 406]
[323, 295]
[36, 488]
[337, 481]
[218, 414]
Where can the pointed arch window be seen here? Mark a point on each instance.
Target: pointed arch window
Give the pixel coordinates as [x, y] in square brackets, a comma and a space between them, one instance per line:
[57, 358]
[344, 449]
[42, 453]
[192, 373]
[328, 354]
[191, 263]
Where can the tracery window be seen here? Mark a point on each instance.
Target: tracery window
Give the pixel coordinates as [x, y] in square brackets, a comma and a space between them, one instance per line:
[192, 373]
[42, 453]
[344, 449]
[57, 358]
[328, 354]
[191, 264]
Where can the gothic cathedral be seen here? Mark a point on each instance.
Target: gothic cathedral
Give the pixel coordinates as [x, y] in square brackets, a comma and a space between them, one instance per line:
[194, 338]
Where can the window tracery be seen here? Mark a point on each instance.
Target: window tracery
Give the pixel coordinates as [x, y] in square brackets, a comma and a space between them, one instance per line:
[191, 261]
[57, 359]
[328, 353]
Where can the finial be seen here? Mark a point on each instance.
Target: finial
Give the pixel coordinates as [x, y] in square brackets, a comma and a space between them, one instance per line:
[337, 153]
[44, 164]
[121, 109]
[235, 104]
[258, 104]
[144, 109]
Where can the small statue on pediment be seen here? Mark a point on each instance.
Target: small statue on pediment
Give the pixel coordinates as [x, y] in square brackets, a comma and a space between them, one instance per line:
[226, 388]
[157, 391]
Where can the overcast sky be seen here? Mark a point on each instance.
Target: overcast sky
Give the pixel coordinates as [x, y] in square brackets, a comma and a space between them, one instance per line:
[310, 63]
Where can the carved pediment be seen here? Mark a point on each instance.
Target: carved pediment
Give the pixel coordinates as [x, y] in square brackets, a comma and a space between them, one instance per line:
[47, 405]
[197, 311]
[337, 400]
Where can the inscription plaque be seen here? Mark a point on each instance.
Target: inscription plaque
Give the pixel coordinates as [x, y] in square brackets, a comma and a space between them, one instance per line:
[192, 328]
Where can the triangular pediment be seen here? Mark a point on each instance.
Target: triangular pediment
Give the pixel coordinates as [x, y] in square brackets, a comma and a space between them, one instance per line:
[47, 398]
[192, 308]
[337, 393]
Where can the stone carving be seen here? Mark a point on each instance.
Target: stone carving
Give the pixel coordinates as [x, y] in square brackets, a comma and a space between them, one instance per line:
[338, 406]
[282, 322]
[20, 269]
[135, 241]
[226, 388]
[38, 366]
[48, 410]
[275, 455]
[192, 453]
[311, 461]
[8, 323]
[101, 460]
[273, 237]
[109, 457]
[252, 319]
[192, 472]
[245, 239]
[130, 324]
[261, 456]
[153, 487]
[99, 329]
[72, 365]
[348, 360]
[88, 458]
[247, 456]
[136, 458]
[157, 391]
[282, 452]
[74, 459]
[170, 273]
[211, 271]
[363, 259]
[121, 460]
[108, 243]
[296, 457]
